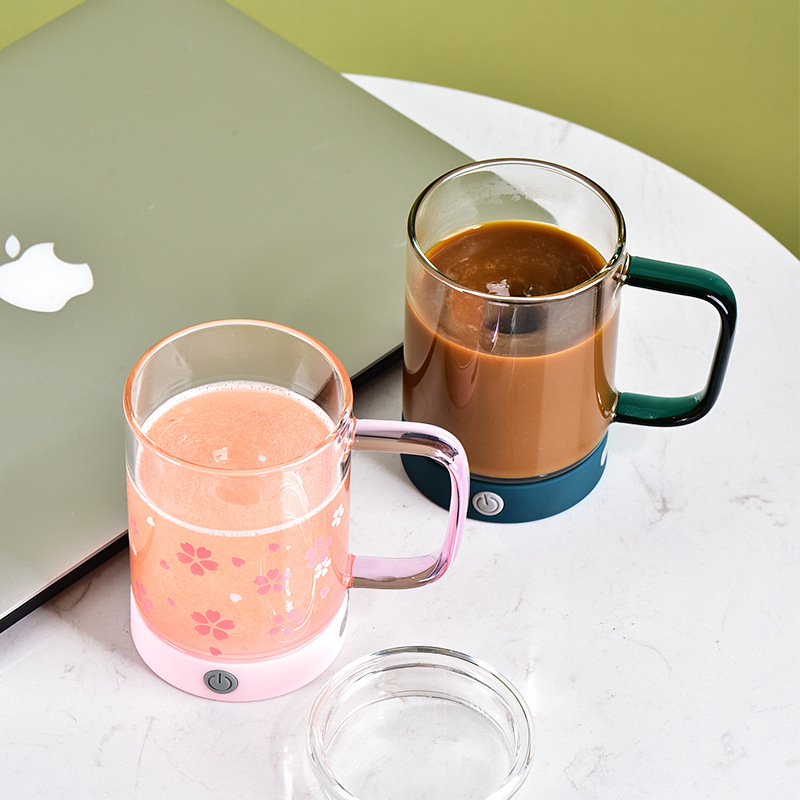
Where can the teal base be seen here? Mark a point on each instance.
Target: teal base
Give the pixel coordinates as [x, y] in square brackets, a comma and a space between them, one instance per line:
[511, 502]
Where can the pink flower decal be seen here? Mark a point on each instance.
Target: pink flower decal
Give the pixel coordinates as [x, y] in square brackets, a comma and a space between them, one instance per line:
[199, 559]
[318, 558]
[273, 547]
[273, 581]
[286, 623]
[237, 562]
[319, 552]
[133, 535]
[142, 600]
[210, 622]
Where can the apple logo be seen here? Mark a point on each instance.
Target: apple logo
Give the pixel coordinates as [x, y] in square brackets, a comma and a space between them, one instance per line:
[39, 280]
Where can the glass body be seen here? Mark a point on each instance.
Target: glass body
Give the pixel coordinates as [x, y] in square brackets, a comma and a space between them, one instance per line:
[527, 383]
[254, 563]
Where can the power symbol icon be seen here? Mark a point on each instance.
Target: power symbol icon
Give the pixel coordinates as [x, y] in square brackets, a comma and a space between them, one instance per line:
[220, 681]
[487, 503]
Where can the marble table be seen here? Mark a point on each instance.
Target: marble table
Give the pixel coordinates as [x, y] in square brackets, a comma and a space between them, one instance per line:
[654, 628]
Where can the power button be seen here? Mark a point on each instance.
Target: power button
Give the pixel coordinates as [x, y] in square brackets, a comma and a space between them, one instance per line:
[220, 681]
[487, 503]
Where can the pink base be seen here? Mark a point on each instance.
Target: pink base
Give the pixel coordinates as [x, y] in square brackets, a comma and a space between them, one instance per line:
[256, 680]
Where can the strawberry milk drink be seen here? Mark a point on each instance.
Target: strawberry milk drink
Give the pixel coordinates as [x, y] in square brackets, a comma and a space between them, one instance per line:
[238, 453]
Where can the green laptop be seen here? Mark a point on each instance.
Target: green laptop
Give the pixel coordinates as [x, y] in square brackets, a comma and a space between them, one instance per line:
[164, 163]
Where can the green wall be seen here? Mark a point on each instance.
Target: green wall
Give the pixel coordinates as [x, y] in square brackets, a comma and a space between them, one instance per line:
[711, 87]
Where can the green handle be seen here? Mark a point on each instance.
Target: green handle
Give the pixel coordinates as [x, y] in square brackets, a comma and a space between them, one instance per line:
[643, 409]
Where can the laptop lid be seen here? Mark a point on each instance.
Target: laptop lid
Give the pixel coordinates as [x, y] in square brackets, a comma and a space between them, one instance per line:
[164, 163]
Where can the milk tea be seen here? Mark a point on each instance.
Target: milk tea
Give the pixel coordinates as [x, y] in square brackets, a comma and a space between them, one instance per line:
[528, 393]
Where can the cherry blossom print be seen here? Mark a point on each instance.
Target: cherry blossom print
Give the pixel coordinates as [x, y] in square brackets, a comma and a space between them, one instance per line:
[273, 581]
[286, 623]
[133, 535]
[164, 564]
[318, 558]
[273, 547]
[142, 600]
[321, 569]
[337, 516]
[210, 622]
[200, 559]
[238, 562]
[318, 553]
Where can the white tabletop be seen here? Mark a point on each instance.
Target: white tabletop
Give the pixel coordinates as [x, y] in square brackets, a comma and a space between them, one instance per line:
[654, 628]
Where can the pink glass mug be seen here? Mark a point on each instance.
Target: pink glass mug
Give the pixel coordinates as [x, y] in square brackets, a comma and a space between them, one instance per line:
[238, 443]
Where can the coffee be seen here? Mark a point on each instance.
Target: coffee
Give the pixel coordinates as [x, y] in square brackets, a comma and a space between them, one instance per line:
[516, 258]
[526, 397]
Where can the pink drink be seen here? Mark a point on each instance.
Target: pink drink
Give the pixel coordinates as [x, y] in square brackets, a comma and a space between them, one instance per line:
[229, 557]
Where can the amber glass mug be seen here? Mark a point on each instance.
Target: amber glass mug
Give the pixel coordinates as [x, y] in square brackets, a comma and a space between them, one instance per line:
[527, 382]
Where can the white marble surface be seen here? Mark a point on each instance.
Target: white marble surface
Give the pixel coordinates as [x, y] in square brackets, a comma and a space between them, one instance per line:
[654, 628]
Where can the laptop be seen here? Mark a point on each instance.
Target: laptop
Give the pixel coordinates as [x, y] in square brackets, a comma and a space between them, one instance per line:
[165, 163]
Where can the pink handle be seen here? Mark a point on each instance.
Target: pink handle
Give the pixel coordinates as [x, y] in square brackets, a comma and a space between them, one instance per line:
[425, 440]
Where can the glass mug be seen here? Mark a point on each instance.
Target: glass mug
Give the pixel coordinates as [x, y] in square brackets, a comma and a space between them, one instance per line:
[527, 382]
[240, 566]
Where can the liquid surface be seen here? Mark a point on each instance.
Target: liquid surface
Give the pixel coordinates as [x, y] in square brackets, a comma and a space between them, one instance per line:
[238, 425]
[516, 258]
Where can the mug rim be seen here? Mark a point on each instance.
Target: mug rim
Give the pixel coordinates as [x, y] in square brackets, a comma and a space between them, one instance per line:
[343, 424]
[617, 260]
